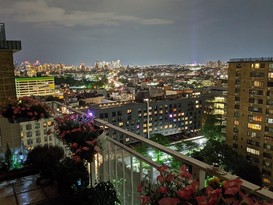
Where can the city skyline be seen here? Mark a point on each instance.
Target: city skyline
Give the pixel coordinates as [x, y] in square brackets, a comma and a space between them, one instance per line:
[139, 32]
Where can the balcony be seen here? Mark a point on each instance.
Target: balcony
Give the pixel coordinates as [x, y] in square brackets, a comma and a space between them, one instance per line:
[125, 167]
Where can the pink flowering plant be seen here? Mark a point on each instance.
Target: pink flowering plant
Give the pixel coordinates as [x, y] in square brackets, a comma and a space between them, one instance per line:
[25, 109]
[179, 188]
[80, 134]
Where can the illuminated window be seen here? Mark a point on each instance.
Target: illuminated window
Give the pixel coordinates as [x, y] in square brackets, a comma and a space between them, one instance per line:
[120, 124]
[266, 181]
[253, 151]
[270, 75]
[219, 105]
[166, 126]
[255, 65]
[127, 139]
[236, 122]
[269, 120]
[255, 118]
[254, 126]
[129, 111]
[269, 111]
[257, 83]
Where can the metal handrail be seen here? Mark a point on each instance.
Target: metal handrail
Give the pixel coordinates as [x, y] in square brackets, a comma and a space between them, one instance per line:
[196, 164]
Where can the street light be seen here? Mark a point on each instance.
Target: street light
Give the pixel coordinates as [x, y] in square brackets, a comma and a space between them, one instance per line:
[148, 118]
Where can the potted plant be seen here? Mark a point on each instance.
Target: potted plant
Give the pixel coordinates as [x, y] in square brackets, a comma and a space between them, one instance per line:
[45, 159]
[72, 178]
[80, 134]
[176, 188]
[25, 109]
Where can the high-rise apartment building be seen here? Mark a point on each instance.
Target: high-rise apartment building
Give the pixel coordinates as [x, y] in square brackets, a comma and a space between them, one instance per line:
[167, 117]
[249, 127]
[9, 133]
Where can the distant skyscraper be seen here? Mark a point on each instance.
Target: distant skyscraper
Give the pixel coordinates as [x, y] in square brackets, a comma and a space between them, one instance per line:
[249, 127]
[9, 133]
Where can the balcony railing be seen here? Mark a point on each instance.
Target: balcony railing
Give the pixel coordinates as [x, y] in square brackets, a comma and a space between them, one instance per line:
[125, 167]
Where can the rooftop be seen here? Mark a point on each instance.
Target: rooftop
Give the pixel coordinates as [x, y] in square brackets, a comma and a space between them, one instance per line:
[265, 59]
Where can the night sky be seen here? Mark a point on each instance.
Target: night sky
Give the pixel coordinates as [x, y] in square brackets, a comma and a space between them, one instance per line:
[139, 31]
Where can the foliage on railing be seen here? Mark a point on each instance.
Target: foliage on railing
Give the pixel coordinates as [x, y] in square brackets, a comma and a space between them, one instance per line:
[80, 134]
[176, 188]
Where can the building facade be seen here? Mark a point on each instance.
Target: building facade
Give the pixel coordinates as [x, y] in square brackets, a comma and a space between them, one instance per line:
[168, 117]
[39, 132]
[9, 133]
[35, 86]
[250, 112]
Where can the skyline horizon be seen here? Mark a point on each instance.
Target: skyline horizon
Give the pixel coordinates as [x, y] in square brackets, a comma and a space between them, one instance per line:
[139, 32]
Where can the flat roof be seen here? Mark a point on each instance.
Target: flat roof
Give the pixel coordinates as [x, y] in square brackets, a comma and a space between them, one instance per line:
[34, 78]
[261, 59]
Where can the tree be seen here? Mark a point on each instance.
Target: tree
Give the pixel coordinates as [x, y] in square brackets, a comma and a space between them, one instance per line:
[144, 149]
[212, 127]
[216, 152]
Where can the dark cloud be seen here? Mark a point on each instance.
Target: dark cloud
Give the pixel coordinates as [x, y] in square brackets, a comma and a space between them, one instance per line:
[139, 31]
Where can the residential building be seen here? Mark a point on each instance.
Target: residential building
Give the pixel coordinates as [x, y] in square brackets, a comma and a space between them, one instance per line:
[35, 86]
[9, 133]
[39, 132]
[166, 116]
[250, 112]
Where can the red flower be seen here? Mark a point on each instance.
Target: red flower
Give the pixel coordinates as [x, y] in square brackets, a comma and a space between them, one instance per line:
[76, 158]
[184, 172]
[93, 142]
[140, 188]
[162, 168]
[202, 200]
[170, 178]
[232, 186]
[162, 190]
[186, 192]
[144, 200]
[75, 145]
[168, 201]
[85, 148]
[160, 178]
